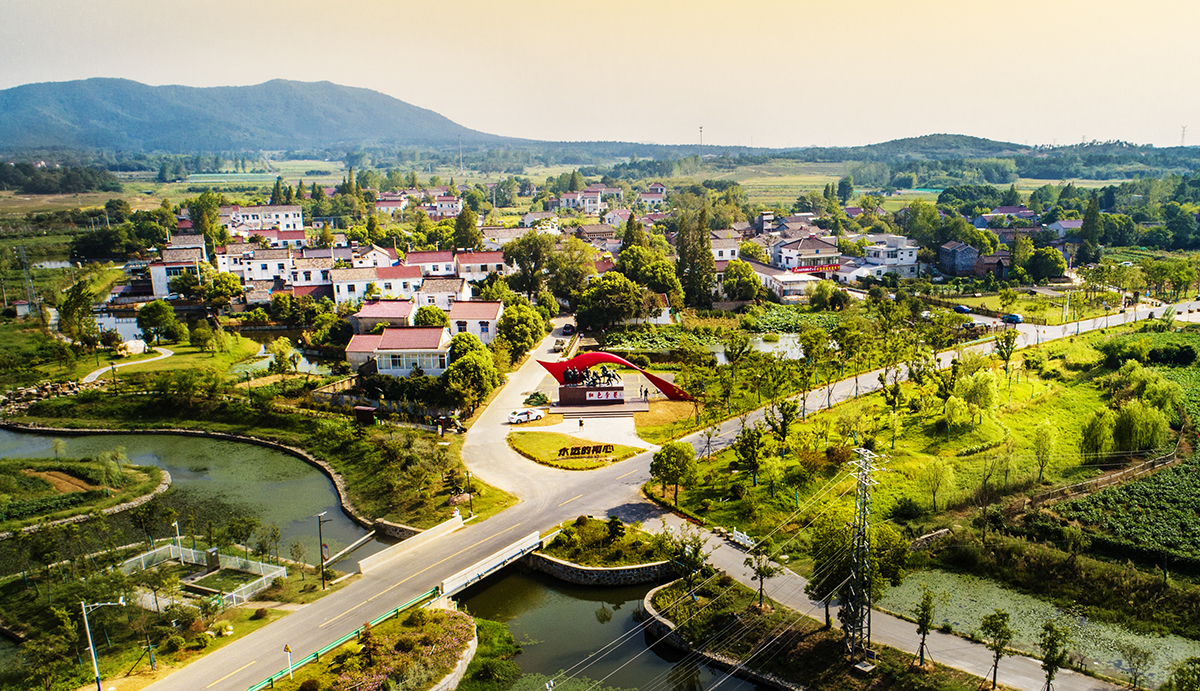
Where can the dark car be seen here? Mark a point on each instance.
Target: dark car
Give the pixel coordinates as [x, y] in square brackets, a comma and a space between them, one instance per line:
[962, 309]
[1012, 319]
[568, 329]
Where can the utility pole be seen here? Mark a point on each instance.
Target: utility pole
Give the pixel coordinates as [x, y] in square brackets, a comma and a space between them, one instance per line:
[856, 613]
[702, 140]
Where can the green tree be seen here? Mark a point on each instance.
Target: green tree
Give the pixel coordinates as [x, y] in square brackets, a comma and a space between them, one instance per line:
[222, 289]
[935, 476]
[748, 447]
[298, 554]
[752, 250]
[1093, 227]
[829, 548]
[430, 315]
[284, 357]
[924, 618]
[157, 319]
[277, 192]
[1053, 642]
[686, 552]
[1044, 437]
[845, 189]
[1185, 676]
[780, 419]
[741, 283]
[47, 655]
[75, 310]
[531, 254]
[609, 300]
[1046, 262]
[997, 634]
[760, 564]
[1137, 659]
[201, 337]
[1006, 345]
[522, 327]
[466, 230]
[675, 464]
[471, 376]
[695, 264]
[570, 267]
[1096, 435]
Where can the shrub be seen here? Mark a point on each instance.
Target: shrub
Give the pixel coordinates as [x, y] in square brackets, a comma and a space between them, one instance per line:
[173, 643]
[260, 613]
[581, 521]
[493, 669]
[906, 509]
[417, 617]
[201, 642]
[706, 505]
[770, 337]
[405, 644]
[640, 360]
[310, 685]
[839, 455]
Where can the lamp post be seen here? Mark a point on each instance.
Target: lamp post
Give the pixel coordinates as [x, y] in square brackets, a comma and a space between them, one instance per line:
[178, 544]
[321, 540]
[85, 607]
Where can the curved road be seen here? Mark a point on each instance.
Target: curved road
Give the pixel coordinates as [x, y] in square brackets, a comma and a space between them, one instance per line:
[549, 496]
[163, 353]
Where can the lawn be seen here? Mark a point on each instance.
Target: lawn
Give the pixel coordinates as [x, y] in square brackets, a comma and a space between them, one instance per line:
[1049, 308]
[547, 448]
[46, 489]
[665, 420]
[587, 542]
[190, 357]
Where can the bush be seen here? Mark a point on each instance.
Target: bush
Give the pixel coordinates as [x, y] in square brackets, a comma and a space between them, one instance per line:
[581, 521]
[405, 644]
[839, 455]
[261, 613]
[493, 669]
[172, 643]
[770, 337]
[418, 617]
[201, 642]
[706, 505]
[907, 509]
[639, 360]
[310, 685]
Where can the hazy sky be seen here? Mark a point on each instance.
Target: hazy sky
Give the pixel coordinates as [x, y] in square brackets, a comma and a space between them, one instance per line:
[761, 72]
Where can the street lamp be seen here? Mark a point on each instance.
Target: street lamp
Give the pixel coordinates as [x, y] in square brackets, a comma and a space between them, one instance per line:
[86, 608]
[321, 540]
[178, 544]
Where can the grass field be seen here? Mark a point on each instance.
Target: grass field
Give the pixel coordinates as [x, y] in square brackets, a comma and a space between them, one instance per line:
[190, 357]
[44, 489]
[586, 542]
[665, 420]
[545, 447]
[1051, 308]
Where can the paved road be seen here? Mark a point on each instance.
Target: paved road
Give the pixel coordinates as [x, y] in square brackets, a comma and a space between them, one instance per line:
[163, 353]
[547, 497]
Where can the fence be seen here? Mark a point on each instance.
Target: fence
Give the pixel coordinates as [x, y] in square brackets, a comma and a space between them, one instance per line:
[269, 682]
[1099, 483]
[486, 566]
[266, 573]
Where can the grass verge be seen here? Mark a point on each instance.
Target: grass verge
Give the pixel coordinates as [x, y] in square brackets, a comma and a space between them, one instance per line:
[547, 448]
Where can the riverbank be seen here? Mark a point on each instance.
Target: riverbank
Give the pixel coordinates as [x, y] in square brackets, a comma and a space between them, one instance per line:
[422, 475]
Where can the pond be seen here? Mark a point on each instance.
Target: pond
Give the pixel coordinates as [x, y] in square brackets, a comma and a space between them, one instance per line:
[788, 346]
[125, 324]
[309, 364]
[212, 479]
[561, 626]
[970, 598]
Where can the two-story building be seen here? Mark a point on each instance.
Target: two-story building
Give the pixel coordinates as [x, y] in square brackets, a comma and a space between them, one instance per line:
[398, 352]
[724, 249]
[390, 282]
[446, 206]
[173, 262]
[439, 263]
[957, 258]
[246, 219]
[811, 255]
[475, 317]
[393, 313]
[883, 254]
[442, 292]
[475, 266]
[547, 217]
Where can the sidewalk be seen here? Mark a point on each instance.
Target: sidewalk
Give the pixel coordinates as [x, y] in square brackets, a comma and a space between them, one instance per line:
[1018, 671]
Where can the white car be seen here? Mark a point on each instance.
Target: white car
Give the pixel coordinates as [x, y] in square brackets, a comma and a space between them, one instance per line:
[516, 417]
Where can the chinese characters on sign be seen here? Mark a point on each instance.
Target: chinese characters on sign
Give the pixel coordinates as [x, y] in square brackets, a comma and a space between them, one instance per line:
[576, 451]
[606, 395]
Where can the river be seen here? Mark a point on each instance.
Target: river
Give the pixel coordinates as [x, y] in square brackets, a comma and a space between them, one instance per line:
[561, 626]
[211, 478]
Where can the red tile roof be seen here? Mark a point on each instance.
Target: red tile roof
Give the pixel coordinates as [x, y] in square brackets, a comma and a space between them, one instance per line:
[480, 258]
[400, 271]
[471, 309]
[317, 292]
[412, 338]
[364, 343]
[386, 309]
[428, 257]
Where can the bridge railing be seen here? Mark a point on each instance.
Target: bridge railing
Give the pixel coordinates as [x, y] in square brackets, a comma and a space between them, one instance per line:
[480, 569]
[269, 682]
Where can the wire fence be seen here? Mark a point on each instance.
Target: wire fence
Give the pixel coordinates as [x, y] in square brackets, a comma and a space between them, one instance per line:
[267, 573]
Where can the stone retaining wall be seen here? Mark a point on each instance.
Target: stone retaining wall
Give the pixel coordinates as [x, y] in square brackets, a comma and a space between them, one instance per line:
[338, 483]
[596, 575]
[451, 680]
[394, 530]
[663, 631]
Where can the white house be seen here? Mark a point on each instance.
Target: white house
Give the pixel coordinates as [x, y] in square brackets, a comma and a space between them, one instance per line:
[258, 264]
[789, 285]
[244, 219]
[808, 255]
[617, 217]
[724, 249]
[532, 217]
[391, 282]
[311, 271]
[372, 255]
[174, 261]
[442, 292]
[448, 205]
[440, 263]
[1065, 227]
[887, 253]
[475, 317]
[390, 312]
[400, 351]
[652, 198]
[475, 266]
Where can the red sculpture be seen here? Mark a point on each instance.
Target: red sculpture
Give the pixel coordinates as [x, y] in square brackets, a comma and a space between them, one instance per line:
[586, 360]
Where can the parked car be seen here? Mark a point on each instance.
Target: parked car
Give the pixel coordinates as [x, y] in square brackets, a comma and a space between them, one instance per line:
[516, 417]
[568, 329]
[559, 344]
[1012, 319]
[962, 309]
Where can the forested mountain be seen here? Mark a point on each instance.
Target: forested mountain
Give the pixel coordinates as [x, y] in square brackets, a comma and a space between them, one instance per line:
[279, 114]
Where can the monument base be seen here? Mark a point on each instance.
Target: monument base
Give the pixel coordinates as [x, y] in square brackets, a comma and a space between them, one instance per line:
[590, 395]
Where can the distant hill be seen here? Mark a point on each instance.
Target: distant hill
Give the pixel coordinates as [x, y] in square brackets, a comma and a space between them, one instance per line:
[276, 115]
[930, 147]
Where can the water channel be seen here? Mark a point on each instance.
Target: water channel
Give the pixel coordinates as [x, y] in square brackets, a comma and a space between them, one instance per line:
[213, 477]
[561, 626]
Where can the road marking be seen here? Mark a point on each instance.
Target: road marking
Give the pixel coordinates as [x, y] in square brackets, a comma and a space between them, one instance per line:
[618, 477]
[576, 497]
[400, 583]
[230, 674]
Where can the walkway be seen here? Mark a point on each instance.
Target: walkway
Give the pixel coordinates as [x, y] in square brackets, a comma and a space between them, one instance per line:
[96, 375]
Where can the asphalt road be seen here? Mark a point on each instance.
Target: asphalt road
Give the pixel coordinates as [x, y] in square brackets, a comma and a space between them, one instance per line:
[547, 496]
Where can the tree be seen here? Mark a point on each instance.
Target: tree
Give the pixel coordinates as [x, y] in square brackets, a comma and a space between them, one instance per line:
[240, 528]
[284, 356]
[1044, 437]
[741, 283]
[1046, 262]
[45, 656]
[752, 250]
[222, 289]
[1185, 676]
[936, 475]
[522, 327]
[780, 419]
[471, 378]
[748, 447]
[201, 337]
[571, 265]
[1006, 345]
[687, 555]
[611, 299]
[1137, 659]
[760, 564]
[924, 619]
[1096, 438]
[695, 264]
[674, 463]
[845, 189]
[430, 315]
[75, 310]
[829, 548]
[997, 634]
[157, 319]
[298, 554]
[1093, 227]
[466, 230]
[531, 254]
[1053, 642]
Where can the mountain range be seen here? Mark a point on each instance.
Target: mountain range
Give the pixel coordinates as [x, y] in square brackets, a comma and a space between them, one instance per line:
[276, 115]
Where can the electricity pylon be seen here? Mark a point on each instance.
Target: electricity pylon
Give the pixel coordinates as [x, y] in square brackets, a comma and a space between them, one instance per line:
[856, 612]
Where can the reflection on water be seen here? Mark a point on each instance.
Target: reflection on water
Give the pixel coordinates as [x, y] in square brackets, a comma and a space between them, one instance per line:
[206, 473]
[561, 626]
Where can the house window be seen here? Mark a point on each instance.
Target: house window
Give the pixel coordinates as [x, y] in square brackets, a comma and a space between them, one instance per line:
[483, 327]
[350, 288]
[499, 268]
[462, 327]
[720, 253]
[263, 267]
[442, 361]
[397, 362]
[324, 275]
[174, 272]
[404, 285]
[279, 267]
[733, 253]
[387, 286]
[307, 276]
[431, 300]
[294, 276]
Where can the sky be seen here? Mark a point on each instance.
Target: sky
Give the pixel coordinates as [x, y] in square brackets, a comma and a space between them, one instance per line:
[750, 72]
